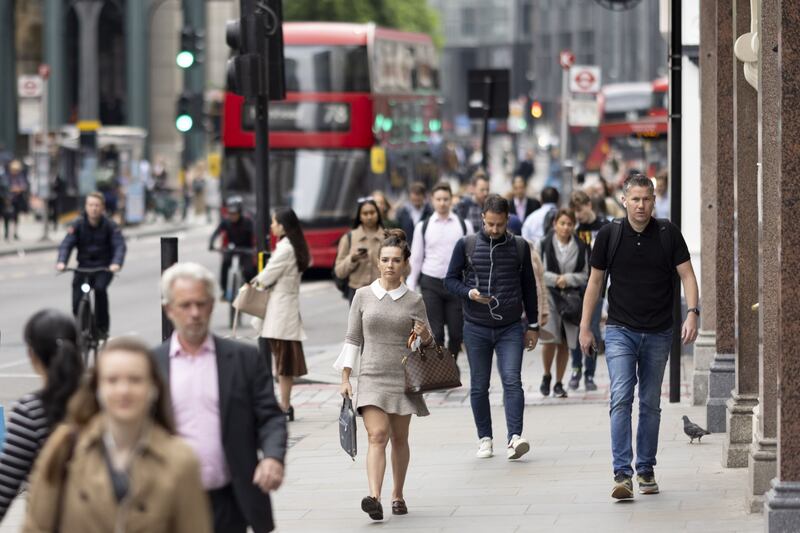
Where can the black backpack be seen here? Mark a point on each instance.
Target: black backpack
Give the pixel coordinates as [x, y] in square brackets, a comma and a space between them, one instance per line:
[341, 283]
[616, 237]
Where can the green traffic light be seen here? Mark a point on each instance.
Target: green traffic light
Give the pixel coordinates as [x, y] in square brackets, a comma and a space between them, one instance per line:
[434, 125]
[184, 59]
[184, 123]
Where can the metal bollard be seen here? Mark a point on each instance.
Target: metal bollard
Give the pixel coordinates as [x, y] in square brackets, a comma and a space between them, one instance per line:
[2, 427]
[169, 256]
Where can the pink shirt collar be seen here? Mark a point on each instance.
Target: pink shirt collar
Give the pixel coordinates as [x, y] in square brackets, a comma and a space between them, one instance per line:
[176, 350]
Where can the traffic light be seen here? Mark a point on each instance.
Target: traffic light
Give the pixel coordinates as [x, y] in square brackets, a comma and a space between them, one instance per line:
[189, 111]
[191, 48]
[536, 109]
[256, 67]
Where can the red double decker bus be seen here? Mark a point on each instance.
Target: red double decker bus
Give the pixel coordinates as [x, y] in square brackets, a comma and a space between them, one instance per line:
[634, 124]
[350, 88]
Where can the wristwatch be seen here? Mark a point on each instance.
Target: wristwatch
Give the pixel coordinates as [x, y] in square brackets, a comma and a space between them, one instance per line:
[695, 310]
[533, 327]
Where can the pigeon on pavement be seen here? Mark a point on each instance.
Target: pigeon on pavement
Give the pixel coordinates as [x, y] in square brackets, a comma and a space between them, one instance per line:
[693, 430]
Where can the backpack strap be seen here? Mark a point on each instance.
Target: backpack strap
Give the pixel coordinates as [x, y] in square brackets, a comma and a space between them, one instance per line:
[463, 224]
[470, 241]
[613, 244]
[522, 249]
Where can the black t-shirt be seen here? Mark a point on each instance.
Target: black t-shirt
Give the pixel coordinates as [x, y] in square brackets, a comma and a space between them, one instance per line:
[640, 295]
[588, 232]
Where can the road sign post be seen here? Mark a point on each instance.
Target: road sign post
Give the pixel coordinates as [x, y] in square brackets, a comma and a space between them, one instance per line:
[566, 59]
[487, 97]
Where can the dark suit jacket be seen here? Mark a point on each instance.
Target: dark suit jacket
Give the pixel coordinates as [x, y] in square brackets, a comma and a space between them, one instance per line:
[251, 421]
[406, 221]
[531, 205]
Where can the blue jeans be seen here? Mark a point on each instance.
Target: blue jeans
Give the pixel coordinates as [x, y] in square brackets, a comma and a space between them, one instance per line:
[631, 355]
[481, 343]
[577, 354]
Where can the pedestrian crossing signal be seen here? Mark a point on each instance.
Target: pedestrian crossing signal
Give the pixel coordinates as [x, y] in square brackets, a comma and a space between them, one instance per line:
[536, 109]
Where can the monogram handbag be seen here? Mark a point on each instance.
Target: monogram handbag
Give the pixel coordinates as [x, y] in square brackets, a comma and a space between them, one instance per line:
[347, 428]
[251, 301]
[430, 368]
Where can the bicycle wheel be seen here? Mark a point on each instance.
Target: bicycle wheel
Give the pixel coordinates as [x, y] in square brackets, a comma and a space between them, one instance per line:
[85, 330]
[234, 282]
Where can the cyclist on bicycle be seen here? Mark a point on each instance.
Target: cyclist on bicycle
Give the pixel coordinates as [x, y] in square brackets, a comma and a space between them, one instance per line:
[237, 231]
[100, 244]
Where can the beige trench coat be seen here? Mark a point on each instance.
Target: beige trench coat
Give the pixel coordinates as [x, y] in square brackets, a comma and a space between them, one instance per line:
[283, 310]
[166, 494]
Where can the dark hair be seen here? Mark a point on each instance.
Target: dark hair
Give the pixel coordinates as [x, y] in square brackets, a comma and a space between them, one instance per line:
[442, 186]
[477, 176]
[83, 406]
[361, 204]
[519, 178]
[396, 238]
[579, 198]
[565, 212]
[417, 187]
[52, 337]
[496, 204]
[638, 180]
[549, 195]
[291, 225]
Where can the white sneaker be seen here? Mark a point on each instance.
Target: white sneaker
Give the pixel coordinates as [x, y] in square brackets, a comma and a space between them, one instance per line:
[485, 448]
[517, 447]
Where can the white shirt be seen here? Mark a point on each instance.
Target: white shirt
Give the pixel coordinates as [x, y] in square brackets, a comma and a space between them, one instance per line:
[430, 254]
[520, 206]
[533, 229]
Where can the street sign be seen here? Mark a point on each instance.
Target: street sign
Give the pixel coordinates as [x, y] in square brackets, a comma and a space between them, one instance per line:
[481, 83]
[29, 115]
[584, 79]
[29, 86]
[584, 113]
[566, 58]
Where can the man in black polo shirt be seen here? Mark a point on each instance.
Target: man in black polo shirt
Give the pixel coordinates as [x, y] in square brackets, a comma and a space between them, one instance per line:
[644, 257]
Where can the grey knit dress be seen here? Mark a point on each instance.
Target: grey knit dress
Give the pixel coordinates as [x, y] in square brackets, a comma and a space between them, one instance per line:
[382, 327]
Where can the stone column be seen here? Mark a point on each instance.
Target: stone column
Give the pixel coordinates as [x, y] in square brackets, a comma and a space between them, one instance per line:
[762, 460]
[783, 501]
[721, 379]
[705, 346]
[745, 176]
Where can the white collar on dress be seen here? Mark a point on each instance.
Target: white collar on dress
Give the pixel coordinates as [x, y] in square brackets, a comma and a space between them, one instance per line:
[380, 292]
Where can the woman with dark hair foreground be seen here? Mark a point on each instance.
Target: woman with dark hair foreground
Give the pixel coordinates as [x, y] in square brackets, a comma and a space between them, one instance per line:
[50, 337]
[283, 327]
[117, 465]
[381, 317]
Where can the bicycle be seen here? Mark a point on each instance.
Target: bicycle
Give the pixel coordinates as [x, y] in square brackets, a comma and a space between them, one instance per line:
[89, 338]
[235, 278]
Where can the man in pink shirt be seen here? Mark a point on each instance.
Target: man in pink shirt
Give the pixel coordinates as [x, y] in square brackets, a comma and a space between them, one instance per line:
[226, 430]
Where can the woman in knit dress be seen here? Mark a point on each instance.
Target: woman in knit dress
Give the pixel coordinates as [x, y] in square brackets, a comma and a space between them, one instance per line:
[283, 327]
[382, 317]
[566, 263]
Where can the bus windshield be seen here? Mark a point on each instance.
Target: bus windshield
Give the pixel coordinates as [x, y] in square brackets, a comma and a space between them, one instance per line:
[324, 68]
[322, 186]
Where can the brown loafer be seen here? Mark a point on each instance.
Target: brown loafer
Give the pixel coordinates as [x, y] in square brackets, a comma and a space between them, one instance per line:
[372, 507]
[399, 507]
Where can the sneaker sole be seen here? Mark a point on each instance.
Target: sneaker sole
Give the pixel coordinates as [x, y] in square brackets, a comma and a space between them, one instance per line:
[483, 455]
[521, 449]
[622, 493]
[648, 490]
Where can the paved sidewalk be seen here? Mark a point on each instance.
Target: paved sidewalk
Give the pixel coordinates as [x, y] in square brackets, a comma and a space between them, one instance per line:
[30, 232]
[563, 485]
